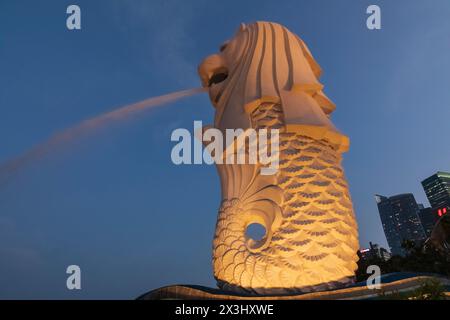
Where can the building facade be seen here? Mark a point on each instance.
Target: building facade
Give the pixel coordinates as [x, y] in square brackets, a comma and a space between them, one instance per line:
[400, 219]
[428, 217]
[374, 252]
[437, 189]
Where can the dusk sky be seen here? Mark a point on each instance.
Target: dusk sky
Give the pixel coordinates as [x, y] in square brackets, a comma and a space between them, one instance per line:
[115, 204]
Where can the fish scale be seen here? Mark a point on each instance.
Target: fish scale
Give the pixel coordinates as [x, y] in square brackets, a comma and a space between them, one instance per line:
[315, 241]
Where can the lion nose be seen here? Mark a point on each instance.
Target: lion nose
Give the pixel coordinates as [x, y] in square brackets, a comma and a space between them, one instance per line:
[208, 67]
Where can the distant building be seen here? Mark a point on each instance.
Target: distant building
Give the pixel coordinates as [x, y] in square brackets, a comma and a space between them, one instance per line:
[437, 189]
[400, 219]
[428, 217]
[374, 251]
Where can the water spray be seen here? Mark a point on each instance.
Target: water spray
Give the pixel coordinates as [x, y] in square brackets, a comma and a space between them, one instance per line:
[10, 167]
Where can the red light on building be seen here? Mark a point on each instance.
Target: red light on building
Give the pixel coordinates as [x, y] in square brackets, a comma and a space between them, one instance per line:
[441, 212]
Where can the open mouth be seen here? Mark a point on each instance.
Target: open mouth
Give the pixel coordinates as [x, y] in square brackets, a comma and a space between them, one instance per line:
[218, 77]
[213, 73]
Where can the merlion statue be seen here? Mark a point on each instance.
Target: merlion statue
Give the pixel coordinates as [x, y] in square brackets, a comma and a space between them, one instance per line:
[265, 77]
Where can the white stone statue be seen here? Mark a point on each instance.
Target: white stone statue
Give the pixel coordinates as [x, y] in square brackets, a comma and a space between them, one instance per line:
[265, 77]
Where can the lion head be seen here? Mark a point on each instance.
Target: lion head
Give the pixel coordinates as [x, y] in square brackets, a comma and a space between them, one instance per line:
[265, 62]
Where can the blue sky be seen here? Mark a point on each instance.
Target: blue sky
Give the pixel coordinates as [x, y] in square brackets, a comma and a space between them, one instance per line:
[114, 203]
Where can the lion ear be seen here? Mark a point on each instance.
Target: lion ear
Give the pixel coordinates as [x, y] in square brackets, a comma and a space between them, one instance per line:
[242, 27]
[315, 67]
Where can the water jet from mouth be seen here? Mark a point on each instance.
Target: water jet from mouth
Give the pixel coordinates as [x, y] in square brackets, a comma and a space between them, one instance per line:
[60, 139]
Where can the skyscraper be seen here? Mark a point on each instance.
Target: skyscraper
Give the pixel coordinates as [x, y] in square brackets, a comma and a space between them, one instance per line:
[428, 217]
[437, 189]
[400, 219]
[374, 252]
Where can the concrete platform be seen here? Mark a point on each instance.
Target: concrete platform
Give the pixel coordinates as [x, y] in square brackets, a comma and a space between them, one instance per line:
[392, 283]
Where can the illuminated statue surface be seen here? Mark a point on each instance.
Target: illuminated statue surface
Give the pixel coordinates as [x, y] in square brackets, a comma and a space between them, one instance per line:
[265, 77]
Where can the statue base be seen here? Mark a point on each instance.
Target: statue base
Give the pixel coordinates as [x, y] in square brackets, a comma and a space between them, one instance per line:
[396, 283]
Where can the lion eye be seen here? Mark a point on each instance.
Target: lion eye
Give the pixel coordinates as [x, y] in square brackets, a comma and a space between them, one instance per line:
[223, 46]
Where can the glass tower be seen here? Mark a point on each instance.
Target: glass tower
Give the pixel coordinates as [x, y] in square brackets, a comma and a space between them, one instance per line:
[437, 189]
[400, 219]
